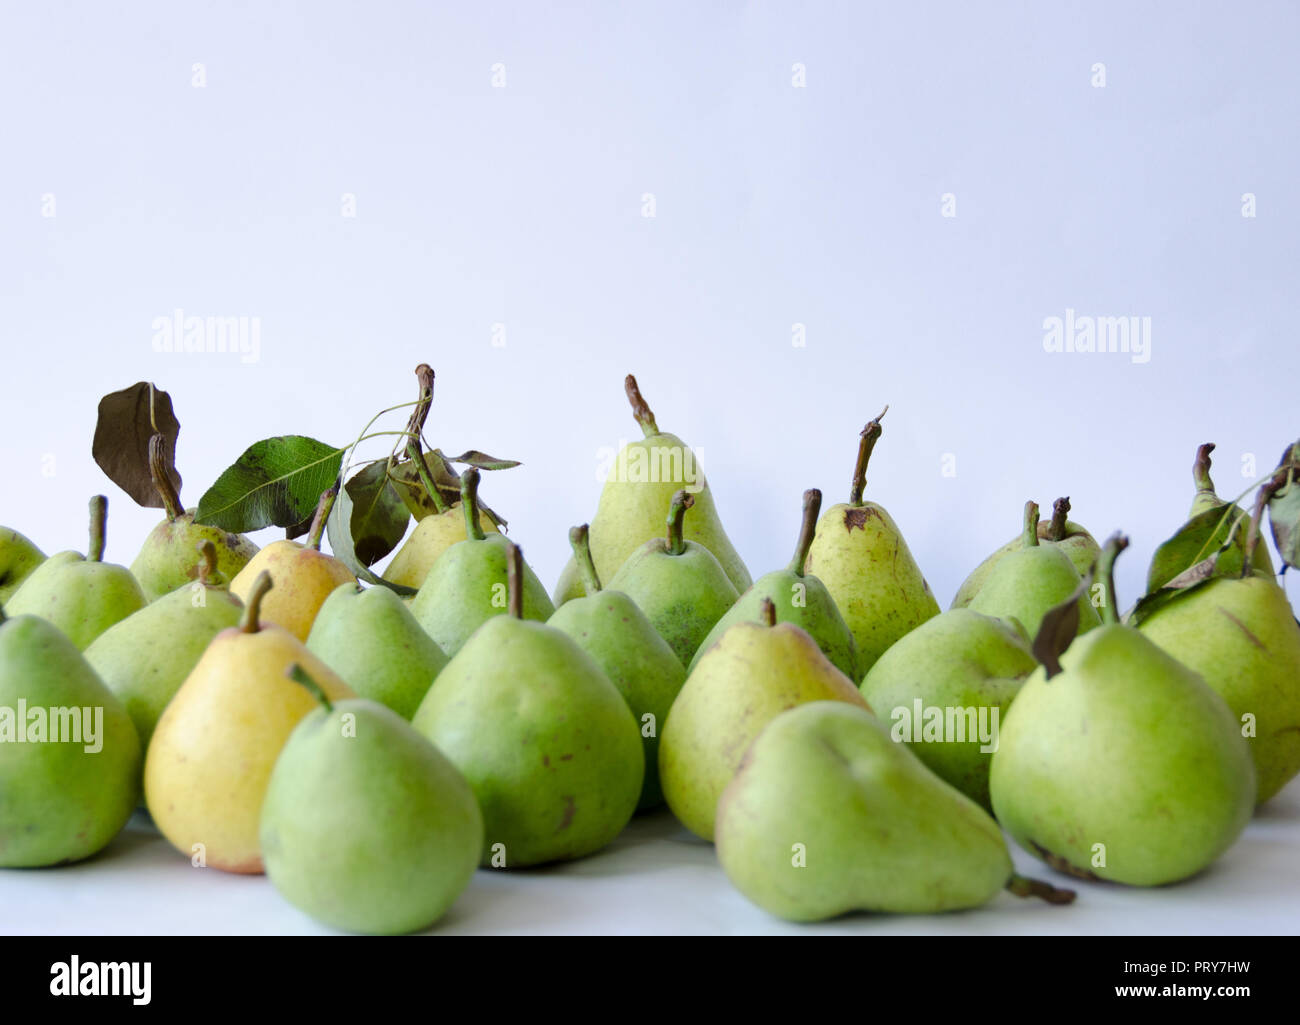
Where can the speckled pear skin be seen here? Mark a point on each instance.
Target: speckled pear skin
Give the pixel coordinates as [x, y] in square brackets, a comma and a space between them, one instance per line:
[367, 826]
[370, 638]
[1126, 748]
[212, 752]
[744, 681]
[303, 576]
[166, 559]
[1242, 637]
[545, 740]
[959, 660]
[60, 802]
[877, 830]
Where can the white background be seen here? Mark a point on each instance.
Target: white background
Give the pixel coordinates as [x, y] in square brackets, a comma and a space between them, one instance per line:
[774, 205]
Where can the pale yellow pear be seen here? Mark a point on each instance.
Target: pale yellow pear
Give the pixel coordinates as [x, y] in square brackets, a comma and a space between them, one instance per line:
[304, 577]
[432, 536]
[210, 759]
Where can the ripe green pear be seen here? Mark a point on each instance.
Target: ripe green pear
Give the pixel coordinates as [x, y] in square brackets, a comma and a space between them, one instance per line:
[468, 584]
[366, 826]
[18, 557]
[1240, 635]
[146, 657]
[1030, 581]
[545, 740]
[432, 536]
[1124, 765]
[640, 486]
[679, 585]
[609, 627]
[860, 555]
[61, 799]
[827, 815]
[370, 638]
[945, 690]
[755, 672]
[83, 597]
[1067, 535]
[799, 598]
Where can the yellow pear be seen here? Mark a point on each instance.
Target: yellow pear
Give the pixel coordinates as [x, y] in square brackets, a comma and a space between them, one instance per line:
[303, 575]
[432, 536]
[210, 759]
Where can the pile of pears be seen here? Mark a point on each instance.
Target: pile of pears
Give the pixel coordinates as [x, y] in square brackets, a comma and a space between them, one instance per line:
[371, 745]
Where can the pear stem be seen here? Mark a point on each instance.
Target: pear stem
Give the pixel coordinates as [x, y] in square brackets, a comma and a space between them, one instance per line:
[1029, 537]
[1060, 512]
[578, 539]
[317, 530]
[812, 506]
[870, 434]
[248, 622]
[469, 503]
[682, 501]
[515, 579]
[415, 427]
[98, 528]
[160, 468]
[640, 408]
[1201, 470]
[1023, 886]
[207, 562]
[1105, 575]
[767, 612]
[300, 675]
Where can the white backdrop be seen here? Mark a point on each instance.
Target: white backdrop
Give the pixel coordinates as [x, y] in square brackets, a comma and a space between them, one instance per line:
[802, 164]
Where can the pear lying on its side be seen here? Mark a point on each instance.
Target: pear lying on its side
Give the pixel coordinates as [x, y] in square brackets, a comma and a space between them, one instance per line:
[366, 826]
[827, 815]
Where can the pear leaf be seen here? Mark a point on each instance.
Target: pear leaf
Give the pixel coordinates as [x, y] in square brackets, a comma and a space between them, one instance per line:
[127, 420]
[1284, 508]
[379, 518]
[1188, 580]
[338, 528]
[276, 482]
[1059, 627]
[1205, 534]
[482, 461]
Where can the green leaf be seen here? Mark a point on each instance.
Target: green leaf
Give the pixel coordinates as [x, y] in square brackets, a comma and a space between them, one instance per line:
[337, 529]
[1199, 538]
[379, 518]
[482, 461]
[276, 482]
[127, 420]
[1284, 508]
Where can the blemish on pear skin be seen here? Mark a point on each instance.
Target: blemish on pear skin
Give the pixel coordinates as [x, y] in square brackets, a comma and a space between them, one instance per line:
[546, 760]
[1061, 865]
[1246, 630]
[569, 809]
[566, 758]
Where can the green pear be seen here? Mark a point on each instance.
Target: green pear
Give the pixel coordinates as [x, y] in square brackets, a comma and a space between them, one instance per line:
[1118, 762]
[755, 672]
[860, 555]
[366, 826]
[166, 559]
[18, 557]
[69, 756]
[609, 627]
[640, 485]
[945, 689]
[146, 657]
[1240, 634]
[1028, 582]
[467, 585]
[83, 597]
[370, 638]
[800, 598]
[827, 815]
[1069, 536]
[679, 585]
[545, 740]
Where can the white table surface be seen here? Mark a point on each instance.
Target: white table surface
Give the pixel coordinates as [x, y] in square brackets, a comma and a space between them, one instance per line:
[656, 878]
